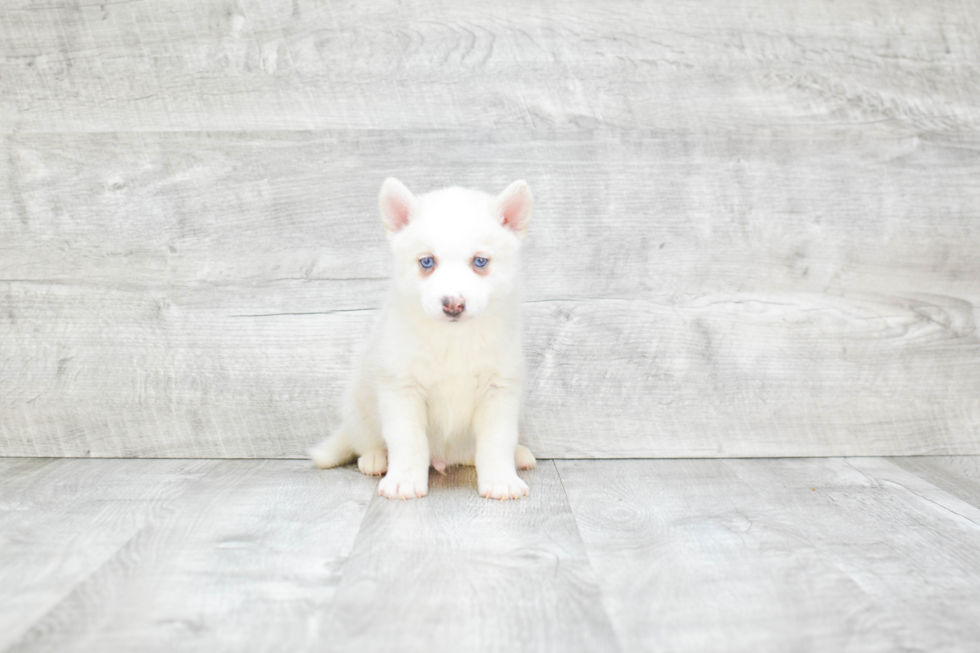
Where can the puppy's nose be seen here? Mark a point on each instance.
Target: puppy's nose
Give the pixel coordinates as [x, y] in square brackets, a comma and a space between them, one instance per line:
[453, 306]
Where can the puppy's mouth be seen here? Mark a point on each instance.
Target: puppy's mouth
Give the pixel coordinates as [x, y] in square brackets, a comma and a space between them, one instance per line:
[462, 317]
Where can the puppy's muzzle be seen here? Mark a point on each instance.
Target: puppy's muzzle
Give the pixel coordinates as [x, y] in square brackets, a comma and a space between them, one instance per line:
[453, 306]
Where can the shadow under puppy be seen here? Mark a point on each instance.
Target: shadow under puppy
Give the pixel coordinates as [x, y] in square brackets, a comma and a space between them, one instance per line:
[441, 380]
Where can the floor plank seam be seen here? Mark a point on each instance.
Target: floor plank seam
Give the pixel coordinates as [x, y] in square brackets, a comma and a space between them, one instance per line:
[28, 637]
[918, 494]
[50, 614]
[603, 601]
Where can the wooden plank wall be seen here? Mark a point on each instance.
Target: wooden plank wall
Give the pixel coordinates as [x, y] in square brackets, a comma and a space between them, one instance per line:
[757, 228]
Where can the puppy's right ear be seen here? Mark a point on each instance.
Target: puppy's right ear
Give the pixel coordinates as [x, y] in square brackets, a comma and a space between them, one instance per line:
[397, 205]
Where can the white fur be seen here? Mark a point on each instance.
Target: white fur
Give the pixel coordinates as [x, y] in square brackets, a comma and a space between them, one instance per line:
[436, 388]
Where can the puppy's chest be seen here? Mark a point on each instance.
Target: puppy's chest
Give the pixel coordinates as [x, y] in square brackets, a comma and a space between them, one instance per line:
[462, 362]
[451, 399]
[454, 378]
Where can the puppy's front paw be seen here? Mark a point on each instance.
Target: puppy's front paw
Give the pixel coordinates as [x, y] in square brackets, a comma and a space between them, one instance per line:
[502, 487]
[402, 485]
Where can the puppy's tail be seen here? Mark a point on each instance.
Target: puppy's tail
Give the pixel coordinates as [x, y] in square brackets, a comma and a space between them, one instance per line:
[333, 452]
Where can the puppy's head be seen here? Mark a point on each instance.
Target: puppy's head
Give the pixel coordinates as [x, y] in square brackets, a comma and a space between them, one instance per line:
[456, 250]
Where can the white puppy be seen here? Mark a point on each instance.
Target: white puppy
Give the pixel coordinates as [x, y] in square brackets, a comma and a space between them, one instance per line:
[442, 377]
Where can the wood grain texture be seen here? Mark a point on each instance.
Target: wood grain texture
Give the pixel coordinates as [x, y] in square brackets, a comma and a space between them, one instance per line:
[456, 572]
[217, 65]
[241, 560]
[778, 555]
[755, 232]
[914, 551]
[61, 520]
[833, 554]
[957, 475]
[205, 295]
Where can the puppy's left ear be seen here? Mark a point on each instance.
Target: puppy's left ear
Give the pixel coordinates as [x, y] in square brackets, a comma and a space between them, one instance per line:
[515, 205]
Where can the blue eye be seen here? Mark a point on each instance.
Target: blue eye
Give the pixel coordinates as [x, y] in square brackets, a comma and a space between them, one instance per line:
[480, 262]
[427, 262]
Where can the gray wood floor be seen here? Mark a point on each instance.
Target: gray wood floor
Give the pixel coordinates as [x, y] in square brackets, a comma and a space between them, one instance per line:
[813, 554]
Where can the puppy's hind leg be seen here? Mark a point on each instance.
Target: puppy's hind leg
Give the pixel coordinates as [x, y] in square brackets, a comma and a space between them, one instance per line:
[333, 452]
[374, 462]
[524, 458]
